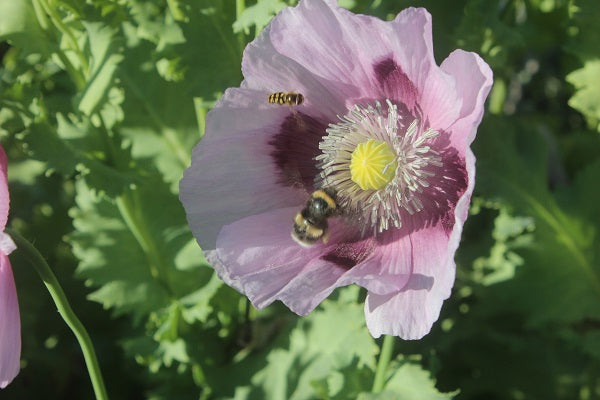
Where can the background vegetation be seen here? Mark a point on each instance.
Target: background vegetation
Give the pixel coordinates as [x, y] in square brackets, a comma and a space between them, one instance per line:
[101, 104]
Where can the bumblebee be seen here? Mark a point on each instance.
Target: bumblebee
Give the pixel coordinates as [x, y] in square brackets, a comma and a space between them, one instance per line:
[289, 98]
[310, 223]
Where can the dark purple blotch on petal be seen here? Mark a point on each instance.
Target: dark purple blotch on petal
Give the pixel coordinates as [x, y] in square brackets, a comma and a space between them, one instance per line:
[394, 83]
[347, 255]
[446, 187]
[295, 147]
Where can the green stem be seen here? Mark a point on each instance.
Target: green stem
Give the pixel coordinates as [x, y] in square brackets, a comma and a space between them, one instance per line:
[42, 9]
[387, 348]
[41, 16]
[127, 205]
[249, 313]
[240, 6]
[64, 309]
[200, 114]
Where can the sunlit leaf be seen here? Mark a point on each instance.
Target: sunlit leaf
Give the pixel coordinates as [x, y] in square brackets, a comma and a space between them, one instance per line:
[587, 96]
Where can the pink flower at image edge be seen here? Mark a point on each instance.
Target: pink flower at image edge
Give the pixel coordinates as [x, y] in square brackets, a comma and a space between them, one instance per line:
[364, 81]
[10, 323]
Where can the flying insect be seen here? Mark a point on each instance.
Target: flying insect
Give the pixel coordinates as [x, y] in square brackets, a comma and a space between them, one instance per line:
[286, 98]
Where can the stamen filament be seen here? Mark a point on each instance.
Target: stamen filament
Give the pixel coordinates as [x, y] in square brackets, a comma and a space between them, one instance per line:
[377, 164]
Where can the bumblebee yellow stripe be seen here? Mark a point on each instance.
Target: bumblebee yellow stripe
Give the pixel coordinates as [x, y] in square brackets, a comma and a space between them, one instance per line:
[322, 195]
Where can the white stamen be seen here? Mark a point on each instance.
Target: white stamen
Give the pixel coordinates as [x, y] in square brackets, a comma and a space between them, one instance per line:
[383, 208]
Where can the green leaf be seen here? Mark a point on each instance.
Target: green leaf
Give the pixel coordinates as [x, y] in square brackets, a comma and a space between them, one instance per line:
[128, 250]
[323, 351]
[111, 260]
[584, 31]
[19, 25]
[154, 24]
[510, 234]
[161, 123]
[329, 340]
[258, 16]
[585, 192]
[559, 279]
[548, 5]
[198, 305]
[62, 155]
[587, 95]
[139, 256]
[482, 29]
[591, 343]
[408, 381]
[104, 48]
[166, 72]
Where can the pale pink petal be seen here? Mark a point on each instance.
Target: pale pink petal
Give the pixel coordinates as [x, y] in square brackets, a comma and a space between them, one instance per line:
[10, 324]
[267, 265]
[232, 173]
[4, 199]
[7, 245]
[412, 44]
[437, 97]
[411, 312]
[439, 101]
[387, 65]
[388, 267]
[340, 46]
[266, 70]
[311, 286]
[473, 83]
[462, 206]
[314, 35]
[257, 256]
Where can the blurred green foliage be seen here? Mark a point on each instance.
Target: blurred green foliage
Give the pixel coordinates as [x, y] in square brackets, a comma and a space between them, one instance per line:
[101, 104]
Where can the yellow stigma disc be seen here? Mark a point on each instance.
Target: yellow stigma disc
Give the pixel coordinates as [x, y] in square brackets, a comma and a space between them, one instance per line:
[373, 165]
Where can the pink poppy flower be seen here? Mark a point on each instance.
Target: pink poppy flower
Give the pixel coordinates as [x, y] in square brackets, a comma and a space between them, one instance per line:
[382, 127]
[10, 324]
